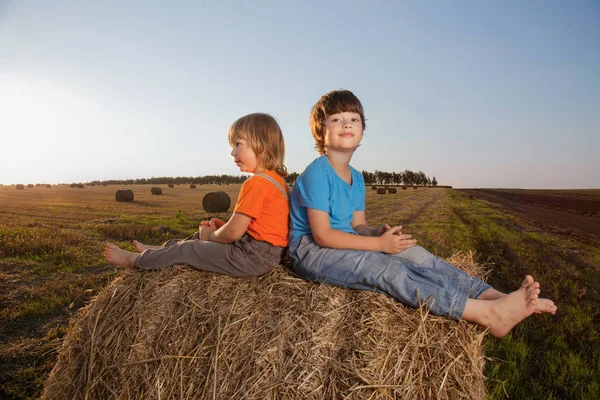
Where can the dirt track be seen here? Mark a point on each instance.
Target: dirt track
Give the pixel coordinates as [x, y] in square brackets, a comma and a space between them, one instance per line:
[561, 219]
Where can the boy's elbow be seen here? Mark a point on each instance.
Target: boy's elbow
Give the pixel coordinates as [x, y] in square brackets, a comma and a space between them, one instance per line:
[320, 238]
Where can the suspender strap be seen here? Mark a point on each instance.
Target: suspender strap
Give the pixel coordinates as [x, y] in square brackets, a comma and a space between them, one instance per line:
[282, 190]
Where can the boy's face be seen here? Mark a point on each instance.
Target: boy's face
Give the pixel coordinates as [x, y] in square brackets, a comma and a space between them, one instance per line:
[343, 131]
[244, 157]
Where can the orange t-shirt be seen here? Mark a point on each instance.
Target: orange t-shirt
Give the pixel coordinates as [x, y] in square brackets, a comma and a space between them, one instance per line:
[261, 200]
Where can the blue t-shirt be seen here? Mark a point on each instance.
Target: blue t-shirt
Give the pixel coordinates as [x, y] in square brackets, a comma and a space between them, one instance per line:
[320, 188]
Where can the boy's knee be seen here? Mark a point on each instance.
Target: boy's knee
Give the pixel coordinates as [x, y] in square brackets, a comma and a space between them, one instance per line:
[415, 254]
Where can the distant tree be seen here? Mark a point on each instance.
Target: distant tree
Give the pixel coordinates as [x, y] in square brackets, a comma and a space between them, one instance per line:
[434, 181]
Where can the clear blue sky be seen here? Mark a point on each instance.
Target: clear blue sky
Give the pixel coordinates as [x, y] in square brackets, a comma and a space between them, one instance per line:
[475, 93]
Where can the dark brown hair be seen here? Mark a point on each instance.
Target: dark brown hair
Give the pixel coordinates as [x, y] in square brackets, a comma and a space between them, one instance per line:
[334, 102]
[263, 134]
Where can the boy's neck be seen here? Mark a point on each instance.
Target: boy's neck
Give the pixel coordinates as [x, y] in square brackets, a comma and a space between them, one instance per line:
[340, 162]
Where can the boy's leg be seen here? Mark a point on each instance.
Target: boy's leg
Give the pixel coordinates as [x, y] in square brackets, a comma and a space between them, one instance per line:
[242, 258]
[404, 280]
[419, 256]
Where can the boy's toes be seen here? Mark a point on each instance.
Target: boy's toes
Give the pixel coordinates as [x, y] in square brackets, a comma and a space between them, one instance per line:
[527, 281]
[545, 306]
[532, 293]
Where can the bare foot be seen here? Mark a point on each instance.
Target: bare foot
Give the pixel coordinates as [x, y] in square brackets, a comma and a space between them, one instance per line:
[120, 257]
[513, 308]
[141, 247]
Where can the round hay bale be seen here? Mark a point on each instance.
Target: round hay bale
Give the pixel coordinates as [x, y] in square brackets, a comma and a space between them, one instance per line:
[215, 202]
[391, 190]
[124, 195]
[192, 186]
[381, 191]
[30, 186]
[415, 187]
[170, 185]
[156, 190]
[373, 187]
[20, 187]
[153, 334]
[80, 185]
[105, 184]
[48, 186]
[403, 187]
[73, 185]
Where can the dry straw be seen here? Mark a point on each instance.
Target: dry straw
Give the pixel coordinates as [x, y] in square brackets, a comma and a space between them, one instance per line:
[184, 334]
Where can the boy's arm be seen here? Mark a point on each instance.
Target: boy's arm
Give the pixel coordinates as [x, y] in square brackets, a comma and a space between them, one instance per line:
[229, 232]
[359, 224]
[326, 236]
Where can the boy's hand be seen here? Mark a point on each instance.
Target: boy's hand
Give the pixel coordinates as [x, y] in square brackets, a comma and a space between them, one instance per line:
[394, 241]
[205, 232]
[381, 229]
[216, 223]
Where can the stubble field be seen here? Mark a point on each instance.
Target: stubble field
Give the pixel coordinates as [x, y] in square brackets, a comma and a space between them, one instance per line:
[51, 264]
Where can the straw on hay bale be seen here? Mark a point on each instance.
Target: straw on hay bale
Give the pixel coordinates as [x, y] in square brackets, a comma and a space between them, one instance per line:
[381, 191]
[124, 195]
[192, 186]
[156, 190]
[391, 190]
[215, 202]
[181, 333]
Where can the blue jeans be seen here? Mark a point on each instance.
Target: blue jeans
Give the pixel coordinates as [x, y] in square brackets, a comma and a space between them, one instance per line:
[412, 276]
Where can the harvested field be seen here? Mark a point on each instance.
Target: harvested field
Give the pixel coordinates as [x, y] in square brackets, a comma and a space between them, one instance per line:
[583, 202]
[577, 209]
[51, 266]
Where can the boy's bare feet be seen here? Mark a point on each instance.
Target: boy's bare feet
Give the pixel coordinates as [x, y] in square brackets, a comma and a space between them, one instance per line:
[141, 247]
[508, 311]
[542, 307]
[120, 257]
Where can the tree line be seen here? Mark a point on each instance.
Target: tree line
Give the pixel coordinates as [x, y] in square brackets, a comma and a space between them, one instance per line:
[408, 178]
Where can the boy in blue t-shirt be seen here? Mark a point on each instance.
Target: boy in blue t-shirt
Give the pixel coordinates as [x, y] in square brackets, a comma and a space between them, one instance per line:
[331, 242]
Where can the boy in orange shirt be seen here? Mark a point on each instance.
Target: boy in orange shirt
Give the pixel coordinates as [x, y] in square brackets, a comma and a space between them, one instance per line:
[253, 241]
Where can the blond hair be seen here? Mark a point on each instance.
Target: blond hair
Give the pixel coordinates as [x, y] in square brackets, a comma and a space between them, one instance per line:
[263, 135]
[334, 102]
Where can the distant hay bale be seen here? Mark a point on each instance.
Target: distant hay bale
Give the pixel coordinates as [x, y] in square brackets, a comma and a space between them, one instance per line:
[403, 187]
[155, 335]
[391, 190]
[124, 195]
[156, 190]
[104, 184]
[20, 187]
[381, 191]
[373, 187]
[30, 186]
[48, 186]
[80, 185]
[170, 185]
[215, 202]
[415, 187]
[192, 186]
